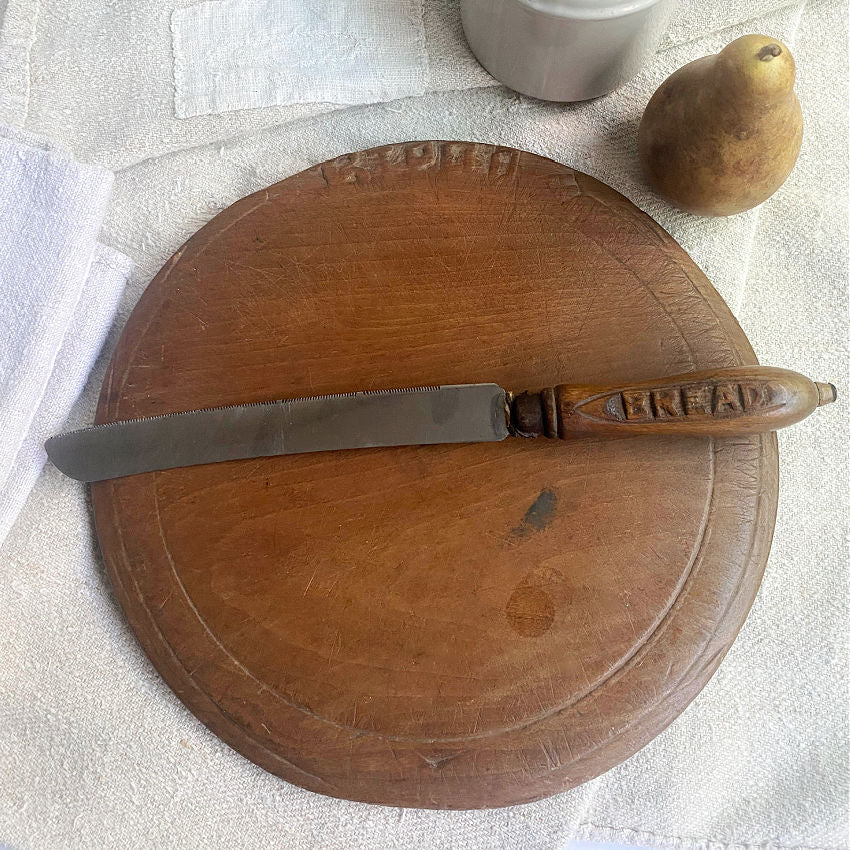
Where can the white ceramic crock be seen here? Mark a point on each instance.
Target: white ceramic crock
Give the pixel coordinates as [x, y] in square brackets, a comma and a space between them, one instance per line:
[564, 50]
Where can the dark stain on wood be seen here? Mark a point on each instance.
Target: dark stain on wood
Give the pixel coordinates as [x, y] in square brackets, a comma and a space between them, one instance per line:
[530, 611]
[538, 516]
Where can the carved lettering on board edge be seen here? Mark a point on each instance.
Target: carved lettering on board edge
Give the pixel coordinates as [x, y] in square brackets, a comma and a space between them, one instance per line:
[498, 165]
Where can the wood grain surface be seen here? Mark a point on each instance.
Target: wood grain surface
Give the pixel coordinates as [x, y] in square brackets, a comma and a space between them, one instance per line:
[452, 626]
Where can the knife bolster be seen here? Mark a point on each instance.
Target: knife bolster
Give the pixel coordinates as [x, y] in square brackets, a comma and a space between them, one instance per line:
[534, 414]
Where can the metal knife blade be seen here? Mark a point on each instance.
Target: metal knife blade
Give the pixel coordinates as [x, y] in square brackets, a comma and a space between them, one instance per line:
[459, 413]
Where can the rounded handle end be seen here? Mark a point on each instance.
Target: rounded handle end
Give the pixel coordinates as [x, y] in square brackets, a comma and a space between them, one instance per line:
[827, 393]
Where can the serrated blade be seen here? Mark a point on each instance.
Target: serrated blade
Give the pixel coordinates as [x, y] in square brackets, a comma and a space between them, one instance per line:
[459, 413]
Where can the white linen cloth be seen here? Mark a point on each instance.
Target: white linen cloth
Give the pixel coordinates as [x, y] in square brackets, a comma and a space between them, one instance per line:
[58, 293]
[95, 751]
[239, 54]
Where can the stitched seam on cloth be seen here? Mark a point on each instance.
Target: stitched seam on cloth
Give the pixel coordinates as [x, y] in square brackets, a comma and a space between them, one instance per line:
[588, 831]
[178, 78]
[15, 68]
[421, 44]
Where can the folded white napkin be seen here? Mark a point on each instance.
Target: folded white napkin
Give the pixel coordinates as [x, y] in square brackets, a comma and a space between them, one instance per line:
[239, 54]
[58, 293]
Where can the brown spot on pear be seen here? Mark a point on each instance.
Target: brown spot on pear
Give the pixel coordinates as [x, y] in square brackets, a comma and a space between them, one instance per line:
[722, 133]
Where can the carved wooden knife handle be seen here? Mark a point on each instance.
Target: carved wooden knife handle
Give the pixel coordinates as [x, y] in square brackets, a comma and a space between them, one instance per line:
[718, 402]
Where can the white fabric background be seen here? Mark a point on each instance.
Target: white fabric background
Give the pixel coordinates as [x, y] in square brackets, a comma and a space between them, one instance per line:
[240, 54]
[96, 752]
[59, 290]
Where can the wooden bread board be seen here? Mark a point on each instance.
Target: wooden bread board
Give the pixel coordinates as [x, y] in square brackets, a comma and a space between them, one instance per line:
[454, 626]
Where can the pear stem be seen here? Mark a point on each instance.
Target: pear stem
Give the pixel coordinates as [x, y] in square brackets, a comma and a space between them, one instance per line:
[768, 52]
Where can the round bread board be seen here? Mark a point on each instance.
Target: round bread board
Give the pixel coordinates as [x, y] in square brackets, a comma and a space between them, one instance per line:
[455, 626]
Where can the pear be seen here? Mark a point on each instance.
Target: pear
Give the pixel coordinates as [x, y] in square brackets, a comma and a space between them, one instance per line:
[722, 134]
